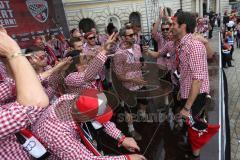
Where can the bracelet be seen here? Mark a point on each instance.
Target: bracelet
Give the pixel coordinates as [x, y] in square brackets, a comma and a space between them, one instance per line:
[120, 136]
[127, 157]
[120, 141]
[186, 109]
[14, 55]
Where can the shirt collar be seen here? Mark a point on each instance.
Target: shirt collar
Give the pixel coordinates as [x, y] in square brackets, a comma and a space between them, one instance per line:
[185, 39]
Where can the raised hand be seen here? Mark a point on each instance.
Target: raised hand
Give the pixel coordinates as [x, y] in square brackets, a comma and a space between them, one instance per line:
[8, 46]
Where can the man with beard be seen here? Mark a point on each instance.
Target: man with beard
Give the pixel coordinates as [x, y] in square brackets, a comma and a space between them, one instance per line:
[192, 62]
[76, 45]
[127, 66]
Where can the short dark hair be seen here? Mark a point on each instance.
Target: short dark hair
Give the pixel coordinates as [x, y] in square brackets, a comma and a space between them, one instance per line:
[73, 40]
[111, 28]
[188, 19]
[123, 30]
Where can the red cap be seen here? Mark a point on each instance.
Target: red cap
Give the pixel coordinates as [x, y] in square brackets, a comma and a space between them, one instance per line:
[93, 104]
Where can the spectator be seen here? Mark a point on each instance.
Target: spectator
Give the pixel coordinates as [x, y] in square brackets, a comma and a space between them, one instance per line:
[194, 80]
[30, 102]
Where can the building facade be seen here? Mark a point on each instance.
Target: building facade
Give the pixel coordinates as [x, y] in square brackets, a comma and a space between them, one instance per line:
[98, 13]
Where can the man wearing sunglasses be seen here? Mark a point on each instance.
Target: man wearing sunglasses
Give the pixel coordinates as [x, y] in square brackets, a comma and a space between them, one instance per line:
[49, 76]
[161, 37]
[127, 66]
[92, 49]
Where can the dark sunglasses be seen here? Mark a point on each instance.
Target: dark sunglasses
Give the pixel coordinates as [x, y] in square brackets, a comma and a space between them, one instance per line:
[130, 35]
[165, 29]
[91, 38]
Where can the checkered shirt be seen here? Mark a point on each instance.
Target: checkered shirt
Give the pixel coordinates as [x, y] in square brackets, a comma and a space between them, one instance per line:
[193, 65]
[77, 81]
[14, 117]
[158, 37]
[170, 48]
[58, 132]
[128, 65]
[94, 51]
[103, 38]
[87, 50]
[8, 86]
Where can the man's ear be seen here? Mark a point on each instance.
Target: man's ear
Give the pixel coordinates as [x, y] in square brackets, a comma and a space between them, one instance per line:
[184, 27]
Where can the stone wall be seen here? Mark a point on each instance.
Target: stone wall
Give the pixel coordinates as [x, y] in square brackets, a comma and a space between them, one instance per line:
[100, 11]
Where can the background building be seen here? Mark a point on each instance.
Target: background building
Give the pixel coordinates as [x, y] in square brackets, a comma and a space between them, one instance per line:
[98, 13]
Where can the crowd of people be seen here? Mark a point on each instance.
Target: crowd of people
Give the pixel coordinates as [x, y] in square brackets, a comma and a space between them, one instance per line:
[230, 33]
[55, 90]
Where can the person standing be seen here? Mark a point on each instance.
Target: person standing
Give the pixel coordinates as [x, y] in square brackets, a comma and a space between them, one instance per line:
[192, 63]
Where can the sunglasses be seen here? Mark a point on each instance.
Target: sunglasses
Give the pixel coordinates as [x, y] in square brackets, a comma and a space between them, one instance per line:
[91, 38]
[165, 29]
[130, 35]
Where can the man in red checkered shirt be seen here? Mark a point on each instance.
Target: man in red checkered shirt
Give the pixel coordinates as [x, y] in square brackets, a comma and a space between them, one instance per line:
[127, 66]
[161, 37]
[192, 64]
[30, 102]
[58, 129]
[50, 77]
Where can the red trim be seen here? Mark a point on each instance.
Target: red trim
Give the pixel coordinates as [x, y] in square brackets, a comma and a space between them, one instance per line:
[121, 140]
[88, 144]
[26, 133]
[128, 157]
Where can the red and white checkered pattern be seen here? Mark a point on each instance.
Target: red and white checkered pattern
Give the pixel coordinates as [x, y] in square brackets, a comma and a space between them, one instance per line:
[8, 86]
[170, 47]
[128, 65]
[58, 132]
[14, 117]
[77, 81]
[158, 37]
[193, 65]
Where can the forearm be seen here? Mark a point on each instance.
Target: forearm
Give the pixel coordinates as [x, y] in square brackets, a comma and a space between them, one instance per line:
[111, 129]
[153, 54]
[194, 91]
[155, 27]
[48, 73]
[29, 90]
[95, 66]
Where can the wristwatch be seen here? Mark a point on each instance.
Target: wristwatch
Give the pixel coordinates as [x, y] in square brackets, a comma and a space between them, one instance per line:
[187, 108]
